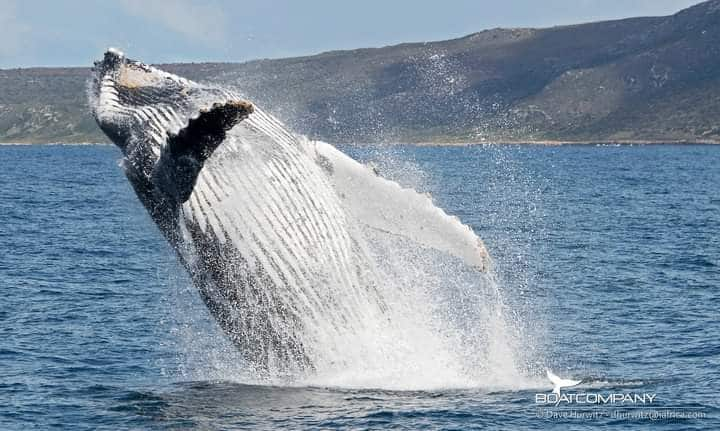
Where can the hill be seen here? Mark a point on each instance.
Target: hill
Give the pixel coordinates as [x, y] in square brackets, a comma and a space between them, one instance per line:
[655, 78]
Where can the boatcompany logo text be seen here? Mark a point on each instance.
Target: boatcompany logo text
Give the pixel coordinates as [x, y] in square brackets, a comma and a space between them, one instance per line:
[557, 397]
[594, 398]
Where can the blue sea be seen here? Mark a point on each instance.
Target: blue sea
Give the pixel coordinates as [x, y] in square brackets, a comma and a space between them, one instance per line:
[609, 257]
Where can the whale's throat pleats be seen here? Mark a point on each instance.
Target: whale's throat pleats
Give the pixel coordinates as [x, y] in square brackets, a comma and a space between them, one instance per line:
[275, 247]
[273, 238]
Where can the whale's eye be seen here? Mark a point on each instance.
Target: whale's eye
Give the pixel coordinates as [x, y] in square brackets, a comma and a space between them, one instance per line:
[132, 76]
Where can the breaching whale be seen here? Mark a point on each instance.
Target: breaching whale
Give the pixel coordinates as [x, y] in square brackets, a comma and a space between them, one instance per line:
[265, 221]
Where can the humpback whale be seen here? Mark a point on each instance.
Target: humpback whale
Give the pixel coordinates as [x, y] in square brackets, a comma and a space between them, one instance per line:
[265, 221]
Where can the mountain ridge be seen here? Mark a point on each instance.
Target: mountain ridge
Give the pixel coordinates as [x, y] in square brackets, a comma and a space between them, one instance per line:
[633, 79]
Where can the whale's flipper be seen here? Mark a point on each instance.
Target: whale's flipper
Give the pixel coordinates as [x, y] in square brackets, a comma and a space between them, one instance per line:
[385, 205]
[203, 134]
[187, 151]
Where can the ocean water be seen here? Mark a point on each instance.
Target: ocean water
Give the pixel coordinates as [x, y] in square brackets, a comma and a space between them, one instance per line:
[608, 259]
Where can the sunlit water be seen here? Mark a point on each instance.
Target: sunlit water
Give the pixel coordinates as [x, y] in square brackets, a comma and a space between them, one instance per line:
[607, 264]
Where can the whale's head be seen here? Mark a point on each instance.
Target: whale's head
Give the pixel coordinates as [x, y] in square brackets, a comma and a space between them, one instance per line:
[158, 118]
[133, 101]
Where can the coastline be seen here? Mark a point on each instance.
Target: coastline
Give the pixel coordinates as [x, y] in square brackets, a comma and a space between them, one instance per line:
[28, 144]
[550, 143]
[595, 142]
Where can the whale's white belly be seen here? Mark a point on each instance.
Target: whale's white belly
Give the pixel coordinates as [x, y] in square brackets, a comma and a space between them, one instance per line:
[276, 219]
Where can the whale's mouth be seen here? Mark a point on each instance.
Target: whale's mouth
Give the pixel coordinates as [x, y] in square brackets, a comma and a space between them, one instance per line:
[131, 74]
[125, 93]
[136, 84]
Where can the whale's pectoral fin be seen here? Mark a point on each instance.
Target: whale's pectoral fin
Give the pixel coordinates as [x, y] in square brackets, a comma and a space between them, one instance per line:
[204, 133]
[386, 206]
[187, 151]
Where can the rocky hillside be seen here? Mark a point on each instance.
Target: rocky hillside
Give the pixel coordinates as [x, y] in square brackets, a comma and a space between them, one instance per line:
[652, 78]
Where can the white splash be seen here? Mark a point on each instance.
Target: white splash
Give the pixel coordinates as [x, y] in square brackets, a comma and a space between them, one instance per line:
[410, 318]
[376, 285]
